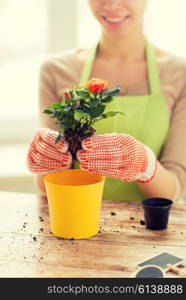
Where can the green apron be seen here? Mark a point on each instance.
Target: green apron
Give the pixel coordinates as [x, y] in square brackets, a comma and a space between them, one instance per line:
[146, 119]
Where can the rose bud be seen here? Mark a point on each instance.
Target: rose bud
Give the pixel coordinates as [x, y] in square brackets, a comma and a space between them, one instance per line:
[75, 104]
[66, 95]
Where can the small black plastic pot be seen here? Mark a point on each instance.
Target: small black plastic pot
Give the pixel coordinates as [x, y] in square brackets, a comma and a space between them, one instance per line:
[156, 212]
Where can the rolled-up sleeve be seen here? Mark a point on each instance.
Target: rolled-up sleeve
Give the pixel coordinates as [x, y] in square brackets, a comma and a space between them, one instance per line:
[173, 156]
[47, 95]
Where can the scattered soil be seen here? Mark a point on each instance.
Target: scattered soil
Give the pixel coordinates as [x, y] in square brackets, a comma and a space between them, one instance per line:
[24, 225]
[131, 218]
[142, 222]
[34, 238]
[112, 213]
[41, 219]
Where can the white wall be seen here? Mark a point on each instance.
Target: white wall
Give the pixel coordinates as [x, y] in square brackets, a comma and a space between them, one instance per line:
[166, 25]
[62, 24]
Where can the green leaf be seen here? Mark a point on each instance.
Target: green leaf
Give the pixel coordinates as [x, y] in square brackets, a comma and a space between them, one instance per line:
[48, 111]
[78, 115]
[103, 116]
[63, 103]
[95, 101]
[58, 114]
[114, 113]
[97, 111]
[122, 113]
[59, 123]
[81, 116]
[85, 107]
[107, 115]
[101, 93]
[108, 98]
[114, 91]
[56, 105]
[111, 113]
[58, 139]
[68, 123]
[83, 94]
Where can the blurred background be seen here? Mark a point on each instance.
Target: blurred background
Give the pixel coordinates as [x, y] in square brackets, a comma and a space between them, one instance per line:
[30, 30]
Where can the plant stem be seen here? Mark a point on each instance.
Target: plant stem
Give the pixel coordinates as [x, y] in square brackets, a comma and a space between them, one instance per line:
[74, 163]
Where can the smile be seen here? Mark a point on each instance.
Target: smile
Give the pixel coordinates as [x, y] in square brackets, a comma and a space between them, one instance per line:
[115, 20]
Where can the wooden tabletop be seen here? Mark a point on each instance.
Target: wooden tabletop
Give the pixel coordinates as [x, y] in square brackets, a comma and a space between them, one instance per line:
[28, 249]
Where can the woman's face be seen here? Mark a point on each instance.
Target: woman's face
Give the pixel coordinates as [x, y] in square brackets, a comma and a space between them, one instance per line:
[118, 17]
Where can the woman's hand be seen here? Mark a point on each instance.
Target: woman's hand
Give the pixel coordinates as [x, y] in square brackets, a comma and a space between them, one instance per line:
[44, 156]
[118, 155]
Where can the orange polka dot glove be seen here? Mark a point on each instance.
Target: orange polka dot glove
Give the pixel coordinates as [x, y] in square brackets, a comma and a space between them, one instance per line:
[118, 155]
[44, 156]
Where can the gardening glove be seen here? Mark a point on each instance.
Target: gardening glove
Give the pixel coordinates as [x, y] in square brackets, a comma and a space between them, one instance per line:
[118, 155]
[45, 156]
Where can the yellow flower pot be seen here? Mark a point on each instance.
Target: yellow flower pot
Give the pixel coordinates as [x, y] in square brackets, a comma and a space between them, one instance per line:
[74, 198]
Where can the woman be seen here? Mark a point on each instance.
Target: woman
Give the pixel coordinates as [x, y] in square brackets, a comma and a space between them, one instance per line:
[145, 155]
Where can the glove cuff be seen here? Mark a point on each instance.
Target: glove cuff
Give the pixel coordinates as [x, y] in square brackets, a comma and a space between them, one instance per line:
[151, 169]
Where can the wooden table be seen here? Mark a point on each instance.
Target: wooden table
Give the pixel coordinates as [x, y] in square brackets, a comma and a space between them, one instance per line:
[28, 249]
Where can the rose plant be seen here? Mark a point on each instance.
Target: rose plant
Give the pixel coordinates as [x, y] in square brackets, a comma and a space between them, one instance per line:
[81, 107]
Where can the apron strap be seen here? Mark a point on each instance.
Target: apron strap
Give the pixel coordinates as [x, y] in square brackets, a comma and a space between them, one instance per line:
[153, 73]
